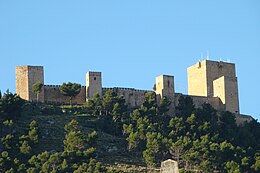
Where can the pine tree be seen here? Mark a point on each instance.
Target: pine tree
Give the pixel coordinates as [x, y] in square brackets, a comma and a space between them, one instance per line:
[37, 89]
[33, 132]
[108, 101]
[25, 148]
[70, 89]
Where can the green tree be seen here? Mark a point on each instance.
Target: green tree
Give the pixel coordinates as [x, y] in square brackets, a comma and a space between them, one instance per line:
[74, 139]
[7, 133]
[25, 148]
[76, 143]
[133, 140]
[228, 127]
[119, 114]
[8, 141]
[232, 167]
[70, 89]
[119, 109]
[64, 164]
[53, 164]
[153, 146]
[33, 132]
[178, 147]
[108, 101]
[92, 167]
[37, 89]
[36, 162]
[164, 106]
[185, 107]
[256, 165]
[5, 161]
[94, 106]
[71, 126]
[11, 105]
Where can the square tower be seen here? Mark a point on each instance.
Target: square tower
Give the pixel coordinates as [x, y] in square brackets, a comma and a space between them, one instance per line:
[202, 75]
[26, 77]
[165, 88]
[93, 84]
[225, 89]
[201, 82]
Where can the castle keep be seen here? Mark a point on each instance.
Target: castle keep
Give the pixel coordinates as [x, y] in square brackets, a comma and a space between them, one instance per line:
[208, 82]
[215, 79]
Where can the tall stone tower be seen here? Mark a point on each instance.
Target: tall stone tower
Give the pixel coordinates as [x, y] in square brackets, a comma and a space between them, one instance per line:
[226, 89]
[93, 84]
[215, 79]
[165, 88]
[26, 77]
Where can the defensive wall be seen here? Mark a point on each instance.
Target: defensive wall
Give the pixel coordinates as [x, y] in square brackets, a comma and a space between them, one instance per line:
[198, 101]
[133, 97]
[52, 94]
[208, 82]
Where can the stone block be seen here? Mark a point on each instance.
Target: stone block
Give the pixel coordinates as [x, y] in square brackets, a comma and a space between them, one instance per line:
[169, 166]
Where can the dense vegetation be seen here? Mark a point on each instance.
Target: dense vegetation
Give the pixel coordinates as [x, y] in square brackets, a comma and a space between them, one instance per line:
[200, 139]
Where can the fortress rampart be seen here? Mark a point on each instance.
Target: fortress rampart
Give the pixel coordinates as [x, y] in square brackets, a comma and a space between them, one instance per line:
[208, 82]
[52, 94]
[133, 97]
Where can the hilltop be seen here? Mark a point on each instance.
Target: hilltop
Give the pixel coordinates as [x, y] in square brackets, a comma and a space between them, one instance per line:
[105, 135]
[210, 82]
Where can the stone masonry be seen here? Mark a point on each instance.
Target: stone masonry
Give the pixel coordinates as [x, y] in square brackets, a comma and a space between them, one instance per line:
[169, 166]
[208, 82]
[26, 76]
[215, 79]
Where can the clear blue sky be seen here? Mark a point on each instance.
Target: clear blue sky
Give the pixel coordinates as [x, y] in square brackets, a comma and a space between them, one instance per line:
[131, 41]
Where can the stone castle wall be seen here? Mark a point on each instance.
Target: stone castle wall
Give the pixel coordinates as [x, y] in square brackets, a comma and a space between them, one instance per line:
[198, 101]
[208, 82]
[133, 97]
[53, 95]
[241, 119]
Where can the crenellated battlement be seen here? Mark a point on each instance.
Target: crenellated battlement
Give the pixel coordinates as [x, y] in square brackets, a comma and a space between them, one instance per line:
[57, 86]
[208, 82]
[126, 89]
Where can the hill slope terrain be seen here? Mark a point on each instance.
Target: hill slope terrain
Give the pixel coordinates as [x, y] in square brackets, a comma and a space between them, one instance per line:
[105, 136]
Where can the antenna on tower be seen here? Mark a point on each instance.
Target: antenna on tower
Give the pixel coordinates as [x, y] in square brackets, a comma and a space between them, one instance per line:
[207, 55]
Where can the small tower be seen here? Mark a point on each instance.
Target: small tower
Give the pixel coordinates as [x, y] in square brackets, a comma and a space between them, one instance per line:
[93, 84]
[165, 88]
[26, 77]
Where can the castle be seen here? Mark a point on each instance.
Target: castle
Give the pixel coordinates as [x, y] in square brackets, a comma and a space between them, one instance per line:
[208, 82]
